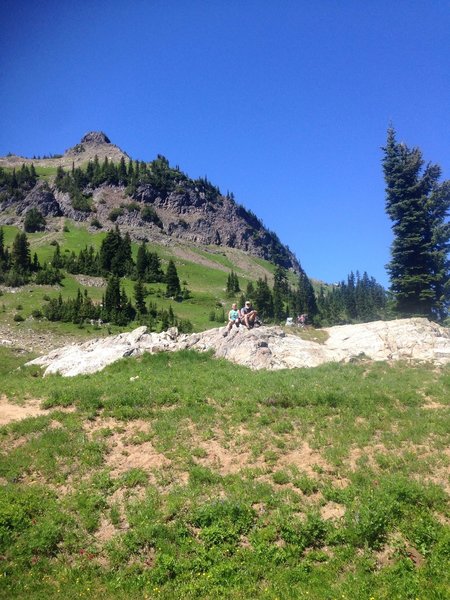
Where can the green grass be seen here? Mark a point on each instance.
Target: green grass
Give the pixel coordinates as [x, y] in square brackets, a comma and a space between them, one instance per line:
[206, 283]
[203, 479]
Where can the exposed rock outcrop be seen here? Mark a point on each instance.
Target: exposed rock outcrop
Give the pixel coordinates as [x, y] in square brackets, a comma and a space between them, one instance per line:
[265, 347]
[43, 199]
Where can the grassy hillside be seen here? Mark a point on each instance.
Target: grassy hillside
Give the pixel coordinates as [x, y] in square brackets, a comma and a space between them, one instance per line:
[204, 271]
[177, 475]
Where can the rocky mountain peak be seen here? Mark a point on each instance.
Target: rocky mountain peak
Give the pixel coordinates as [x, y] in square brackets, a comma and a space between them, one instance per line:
[95, 137]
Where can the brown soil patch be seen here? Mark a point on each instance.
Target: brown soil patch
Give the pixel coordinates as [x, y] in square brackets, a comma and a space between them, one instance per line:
[124, 455]
[368, 452]
[225, 460]
[305, 459]
[186, 253]
[10, 412]
[432, 405]
[105, 532]
[332, 511]
[395, 547]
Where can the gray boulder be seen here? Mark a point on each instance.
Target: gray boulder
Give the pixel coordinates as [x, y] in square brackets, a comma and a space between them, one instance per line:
[264, 347]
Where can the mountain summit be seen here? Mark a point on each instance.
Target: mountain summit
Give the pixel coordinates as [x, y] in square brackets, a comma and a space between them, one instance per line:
[94, 143]
[96, 182]
[95, 137]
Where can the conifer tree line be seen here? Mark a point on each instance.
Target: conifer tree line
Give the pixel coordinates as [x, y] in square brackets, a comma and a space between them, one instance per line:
[17, 268]
[116, 308]
[14, 184]
[115, 258]
[113, 261]
[418, 205]
[158, 173]
[357, 300]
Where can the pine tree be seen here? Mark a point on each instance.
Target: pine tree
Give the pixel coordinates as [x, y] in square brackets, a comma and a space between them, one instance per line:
[173, 283]
[154, 272]
[111, 303]
[139, 297]
[305, 299]
[141, 261]
[418, 206]
[20, 254]
[280, 293]
[232, 284]
[263, 299]
[34, 221]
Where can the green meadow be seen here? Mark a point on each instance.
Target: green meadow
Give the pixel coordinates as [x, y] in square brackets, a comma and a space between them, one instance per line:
[206, 282]
[179, 475]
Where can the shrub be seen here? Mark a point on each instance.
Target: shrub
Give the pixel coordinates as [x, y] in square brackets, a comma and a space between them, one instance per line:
[96, 223]
[34, 221]
[81, 202]
[148, 214]
[18, 318]
[115, 213]
[132, 206]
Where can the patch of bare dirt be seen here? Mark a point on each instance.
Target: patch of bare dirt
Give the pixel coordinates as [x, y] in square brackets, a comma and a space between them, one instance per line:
[305, 459]
[432, 405]
[368, 452]
[10, 412]
[332, 511]
[186, 253]
[226, 461]
[394, 548]
[124, 450]
[105, 532]
[22, 338]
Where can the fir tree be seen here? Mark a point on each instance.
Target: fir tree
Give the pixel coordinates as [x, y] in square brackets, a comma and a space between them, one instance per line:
[173, 283]
[418, 206]
[20, 254]
[263, 299]
[34, 221]
[141, 261]
[139, 297]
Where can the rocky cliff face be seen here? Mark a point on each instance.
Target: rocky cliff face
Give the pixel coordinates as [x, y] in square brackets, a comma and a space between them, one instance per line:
[188, 210]
[265, 347]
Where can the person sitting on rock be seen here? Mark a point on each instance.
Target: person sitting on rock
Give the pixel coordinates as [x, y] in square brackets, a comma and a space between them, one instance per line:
[249, 316]
[233, 319]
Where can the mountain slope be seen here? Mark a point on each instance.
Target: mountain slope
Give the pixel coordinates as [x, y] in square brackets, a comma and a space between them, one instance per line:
[100, 184]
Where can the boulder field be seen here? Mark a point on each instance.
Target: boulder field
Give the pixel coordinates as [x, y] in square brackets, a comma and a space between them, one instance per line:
[271, 348]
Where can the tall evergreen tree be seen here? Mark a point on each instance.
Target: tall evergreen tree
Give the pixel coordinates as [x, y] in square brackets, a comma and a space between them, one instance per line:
[139, 297]
[304, 298]
[418, 206]
[263, 299]
[173, 283]
[280, 293]
[20, 254]
[141, 261]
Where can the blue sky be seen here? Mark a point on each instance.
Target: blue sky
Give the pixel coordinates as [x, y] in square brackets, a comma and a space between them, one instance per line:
[286, 104]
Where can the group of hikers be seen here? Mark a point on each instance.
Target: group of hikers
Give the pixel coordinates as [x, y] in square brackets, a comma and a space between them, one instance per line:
[246, 316]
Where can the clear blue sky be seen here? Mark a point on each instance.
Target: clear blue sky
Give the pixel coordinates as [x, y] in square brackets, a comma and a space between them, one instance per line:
[284, 103]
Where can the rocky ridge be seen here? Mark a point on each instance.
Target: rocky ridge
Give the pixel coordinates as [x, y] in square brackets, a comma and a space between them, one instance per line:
[191, 211]
[266, 347]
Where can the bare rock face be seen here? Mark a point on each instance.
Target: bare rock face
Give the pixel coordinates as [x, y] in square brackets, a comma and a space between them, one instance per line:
[264, 347]
[95, 137]
[42, 198]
